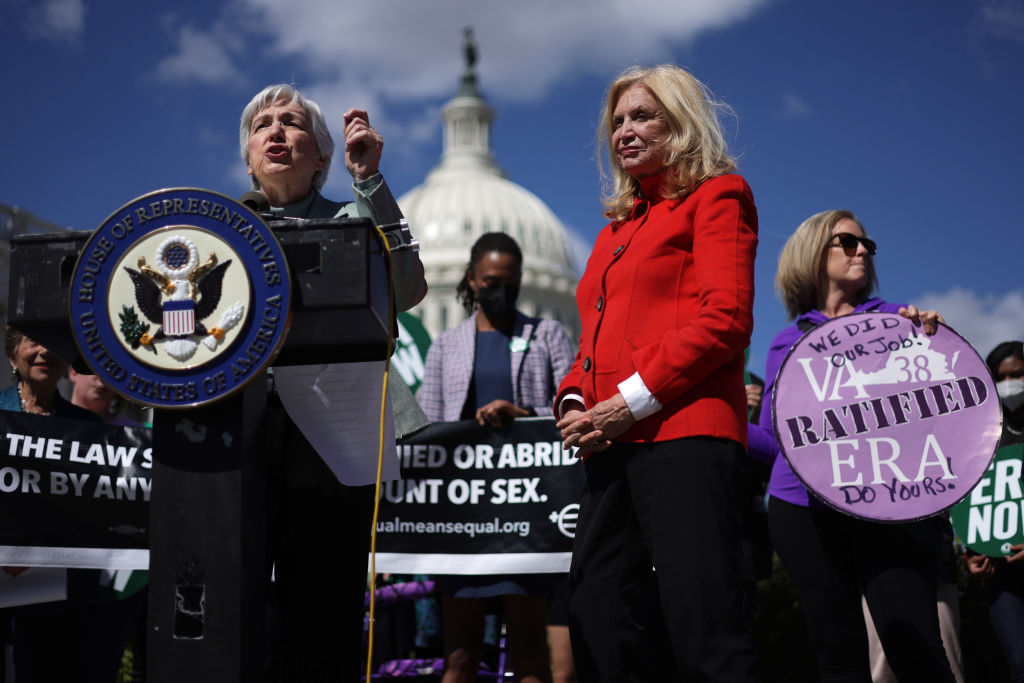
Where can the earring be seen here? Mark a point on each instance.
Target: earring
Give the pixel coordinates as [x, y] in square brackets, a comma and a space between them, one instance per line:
[14, 376]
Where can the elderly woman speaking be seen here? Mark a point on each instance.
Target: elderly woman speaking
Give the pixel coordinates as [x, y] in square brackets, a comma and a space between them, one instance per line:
[288, 150]
[320, 528]
[655, 399]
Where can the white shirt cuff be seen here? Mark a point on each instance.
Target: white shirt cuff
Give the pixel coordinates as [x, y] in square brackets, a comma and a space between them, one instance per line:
[568, 397]
[639, 399]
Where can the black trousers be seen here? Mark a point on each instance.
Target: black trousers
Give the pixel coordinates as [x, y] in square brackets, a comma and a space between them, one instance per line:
[674, 506]
[319, 543]
[833, 559]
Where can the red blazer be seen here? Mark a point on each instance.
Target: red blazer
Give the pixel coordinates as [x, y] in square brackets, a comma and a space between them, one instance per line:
[669, 293]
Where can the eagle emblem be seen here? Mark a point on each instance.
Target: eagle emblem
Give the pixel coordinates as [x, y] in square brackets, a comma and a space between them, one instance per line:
[177, 296]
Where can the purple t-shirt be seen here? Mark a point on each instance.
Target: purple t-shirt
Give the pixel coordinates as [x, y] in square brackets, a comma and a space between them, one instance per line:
[784, 483]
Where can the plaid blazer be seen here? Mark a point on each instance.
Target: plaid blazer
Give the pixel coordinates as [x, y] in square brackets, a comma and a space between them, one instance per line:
[536, 371]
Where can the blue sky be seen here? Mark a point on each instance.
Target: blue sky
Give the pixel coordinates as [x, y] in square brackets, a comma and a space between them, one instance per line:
[909, 113]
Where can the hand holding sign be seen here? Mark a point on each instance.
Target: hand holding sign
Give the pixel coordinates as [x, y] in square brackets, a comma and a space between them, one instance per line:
[498, 411]
[929, 320]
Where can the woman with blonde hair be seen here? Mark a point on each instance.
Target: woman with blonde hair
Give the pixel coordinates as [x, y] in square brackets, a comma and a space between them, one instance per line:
[827, 270]
[655, 398]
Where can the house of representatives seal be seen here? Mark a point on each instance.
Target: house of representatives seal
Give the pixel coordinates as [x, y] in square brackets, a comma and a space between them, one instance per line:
[181, 297]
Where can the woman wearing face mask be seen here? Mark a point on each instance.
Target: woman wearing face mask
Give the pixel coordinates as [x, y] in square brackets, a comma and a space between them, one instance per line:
[497, 365]
[1006, 576]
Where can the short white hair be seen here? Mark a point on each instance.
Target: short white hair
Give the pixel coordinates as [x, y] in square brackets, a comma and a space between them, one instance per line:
[275, 93]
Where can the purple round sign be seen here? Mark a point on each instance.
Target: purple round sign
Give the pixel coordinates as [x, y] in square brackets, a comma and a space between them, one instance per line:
[883, 422]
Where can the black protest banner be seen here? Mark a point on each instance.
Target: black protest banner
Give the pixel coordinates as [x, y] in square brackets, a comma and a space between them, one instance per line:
[476, 500]
[73, 493]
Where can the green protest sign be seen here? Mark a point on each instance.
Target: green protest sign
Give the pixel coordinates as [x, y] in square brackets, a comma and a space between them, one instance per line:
[991, 518]
[410, 350]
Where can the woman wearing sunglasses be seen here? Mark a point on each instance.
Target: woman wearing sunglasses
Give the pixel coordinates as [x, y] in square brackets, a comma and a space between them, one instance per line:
[826, 270]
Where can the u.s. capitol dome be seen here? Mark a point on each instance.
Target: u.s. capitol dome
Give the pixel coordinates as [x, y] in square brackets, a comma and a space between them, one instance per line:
[466, 195]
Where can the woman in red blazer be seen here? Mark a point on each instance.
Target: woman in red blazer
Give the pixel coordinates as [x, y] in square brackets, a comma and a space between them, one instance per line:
[655, 399]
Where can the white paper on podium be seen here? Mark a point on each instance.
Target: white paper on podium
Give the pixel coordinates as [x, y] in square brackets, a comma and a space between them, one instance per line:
[34, 585]
[337, 407]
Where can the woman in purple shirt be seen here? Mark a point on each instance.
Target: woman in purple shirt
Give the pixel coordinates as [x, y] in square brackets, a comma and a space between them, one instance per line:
[826, 270]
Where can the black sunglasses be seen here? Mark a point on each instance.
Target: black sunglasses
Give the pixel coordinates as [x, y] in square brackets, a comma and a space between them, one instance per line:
[849, 243]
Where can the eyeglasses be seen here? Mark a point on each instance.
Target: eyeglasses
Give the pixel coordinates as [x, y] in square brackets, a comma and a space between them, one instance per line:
[849, 243]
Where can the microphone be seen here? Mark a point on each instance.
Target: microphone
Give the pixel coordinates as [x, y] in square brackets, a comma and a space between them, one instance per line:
[255, 202]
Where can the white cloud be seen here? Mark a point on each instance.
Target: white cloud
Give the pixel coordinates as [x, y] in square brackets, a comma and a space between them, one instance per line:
[1001, 18]
[525, 47]
[57, 20]
[202, 56]
[984, 320]
[362, 57]
[794, 107]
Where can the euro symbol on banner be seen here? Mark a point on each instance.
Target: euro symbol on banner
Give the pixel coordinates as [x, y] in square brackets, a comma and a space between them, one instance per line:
[566, 519]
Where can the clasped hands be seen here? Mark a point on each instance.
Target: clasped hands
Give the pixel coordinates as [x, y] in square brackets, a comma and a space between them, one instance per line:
[594, 430]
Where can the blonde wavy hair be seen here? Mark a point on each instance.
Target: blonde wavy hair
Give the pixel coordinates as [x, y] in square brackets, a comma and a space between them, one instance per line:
[695, 151]
[801, 281]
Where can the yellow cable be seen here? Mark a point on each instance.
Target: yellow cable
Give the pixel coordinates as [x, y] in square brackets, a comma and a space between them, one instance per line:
[380, 458]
